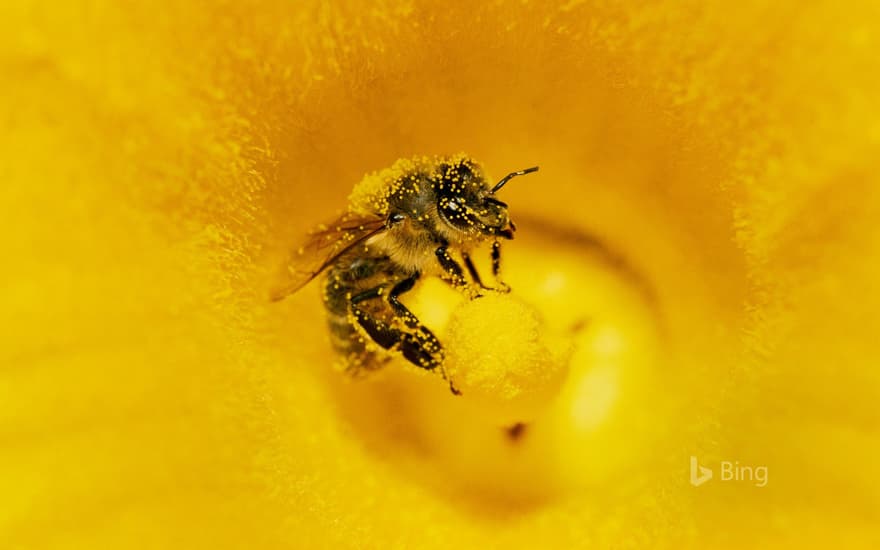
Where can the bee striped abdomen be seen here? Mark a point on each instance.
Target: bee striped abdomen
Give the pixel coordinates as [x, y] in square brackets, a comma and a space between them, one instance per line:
[348, 279]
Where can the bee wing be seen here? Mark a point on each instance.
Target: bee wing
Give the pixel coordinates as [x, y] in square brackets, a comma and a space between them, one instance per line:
[324, 245]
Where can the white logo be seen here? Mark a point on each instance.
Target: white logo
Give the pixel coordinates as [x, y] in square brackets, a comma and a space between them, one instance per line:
[699, 474]
[730, 471]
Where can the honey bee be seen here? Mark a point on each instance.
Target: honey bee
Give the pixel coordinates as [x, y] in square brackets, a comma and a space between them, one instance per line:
[416, 219]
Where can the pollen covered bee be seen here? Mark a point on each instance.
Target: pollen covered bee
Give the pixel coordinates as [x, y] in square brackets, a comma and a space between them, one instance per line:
[421, 217]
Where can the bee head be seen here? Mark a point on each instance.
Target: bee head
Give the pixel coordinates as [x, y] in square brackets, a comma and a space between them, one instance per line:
[466, 201]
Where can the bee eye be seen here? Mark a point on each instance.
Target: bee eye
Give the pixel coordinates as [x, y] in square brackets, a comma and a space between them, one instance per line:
[453, 209]
[452, 206]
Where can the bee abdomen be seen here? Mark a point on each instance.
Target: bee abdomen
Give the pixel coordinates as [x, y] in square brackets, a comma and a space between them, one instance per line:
[346, 337]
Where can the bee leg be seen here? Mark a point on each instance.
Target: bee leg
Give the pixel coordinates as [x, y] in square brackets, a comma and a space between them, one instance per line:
[394, 299]
[496, 264]
[379, 331]
[472, 269]
[422, 331]
[421, 348]
[496, 267]
[367, 295]
[454, 273]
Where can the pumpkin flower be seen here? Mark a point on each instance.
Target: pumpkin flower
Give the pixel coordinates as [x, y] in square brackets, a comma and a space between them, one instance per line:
[694, 275]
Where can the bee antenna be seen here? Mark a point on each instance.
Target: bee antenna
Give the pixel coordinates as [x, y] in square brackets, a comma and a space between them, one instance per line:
[510, 176]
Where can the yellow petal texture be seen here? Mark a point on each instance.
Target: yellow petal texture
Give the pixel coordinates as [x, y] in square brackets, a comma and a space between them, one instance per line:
[722, 158]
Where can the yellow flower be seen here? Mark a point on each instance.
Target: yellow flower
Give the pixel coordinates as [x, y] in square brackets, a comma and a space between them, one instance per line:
[717, 165]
